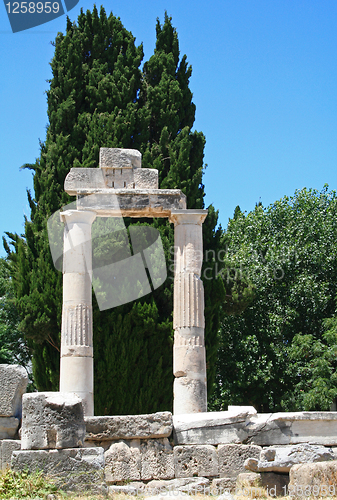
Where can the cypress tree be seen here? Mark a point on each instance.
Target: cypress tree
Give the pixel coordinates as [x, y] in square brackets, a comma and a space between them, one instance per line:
[99, 97]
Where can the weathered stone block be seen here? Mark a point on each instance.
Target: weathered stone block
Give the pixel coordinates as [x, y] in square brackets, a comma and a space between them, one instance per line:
[119, 158]
[192, 461]
[98, 178]
[244, 425]
[7, 446]
[222, 485]
[214, 427]
[123, 462]
[76, 469]
[156, 459]
[232, 458]
[317, 480]
[154, 425]
[8, 427]
[13, 383]
[280, 459]
[172, 487]
[249, 479]
[81, 178]
[146, 178]
[293, 428]
[52, 420]
[131, 202]
[250, 484]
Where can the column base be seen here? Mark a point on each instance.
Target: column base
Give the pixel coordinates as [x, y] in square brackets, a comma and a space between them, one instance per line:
[189, 395]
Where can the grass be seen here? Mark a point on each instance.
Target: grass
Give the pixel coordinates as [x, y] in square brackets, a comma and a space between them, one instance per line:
[15, 485]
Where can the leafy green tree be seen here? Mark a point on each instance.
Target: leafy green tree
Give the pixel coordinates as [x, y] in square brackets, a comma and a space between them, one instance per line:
[279, 353]
[13, 348]
[99, 97]
[313, 363]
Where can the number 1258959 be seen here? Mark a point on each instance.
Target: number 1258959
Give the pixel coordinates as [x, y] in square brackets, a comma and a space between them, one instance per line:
[32, 7]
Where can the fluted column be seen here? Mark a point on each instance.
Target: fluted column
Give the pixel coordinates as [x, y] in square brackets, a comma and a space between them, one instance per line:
[76, 370]
[189, 355]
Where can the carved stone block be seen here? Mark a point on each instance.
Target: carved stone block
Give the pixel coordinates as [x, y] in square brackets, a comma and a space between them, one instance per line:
[52, 420]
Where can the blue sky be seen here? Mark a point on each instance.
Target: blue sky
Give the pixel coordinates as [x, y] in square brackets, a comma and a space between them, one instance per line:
[264, 83]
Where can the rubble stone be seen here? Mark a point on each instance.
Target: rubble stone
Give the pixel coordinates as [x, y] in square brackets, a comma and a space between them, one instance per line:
[249, 479]
[184, 485]
[223, 485]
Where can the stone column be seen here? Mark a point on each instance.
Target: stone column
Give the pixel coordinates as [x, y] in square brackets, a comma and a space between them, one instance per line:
[189, 355]
[76, 370]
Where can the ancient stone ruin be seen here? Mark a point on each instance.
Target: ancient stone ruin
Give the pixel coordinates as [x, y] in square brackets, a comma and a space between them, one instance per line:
[120, 187]
[191, 451]
[234, 450]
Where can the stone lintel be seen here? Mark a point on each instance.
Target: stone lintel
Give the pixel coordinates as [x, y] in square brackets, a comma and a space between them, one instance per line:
[213, 427]
[131, 202]
[188, 216]
[244, 425]
[154, 425]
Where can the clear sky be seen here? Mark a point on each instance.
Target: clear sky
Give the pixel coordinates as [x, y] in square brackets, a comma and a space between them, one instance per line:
[264, 83]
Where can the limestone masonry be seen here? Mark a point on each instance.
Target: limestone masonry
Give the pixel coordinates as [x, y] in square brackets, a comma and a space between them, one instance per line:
[195, 453]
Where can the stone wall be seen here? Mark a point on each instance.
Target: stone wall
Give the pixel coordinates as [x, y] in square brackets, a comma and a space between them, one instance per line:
[200, 452]
[210, 452]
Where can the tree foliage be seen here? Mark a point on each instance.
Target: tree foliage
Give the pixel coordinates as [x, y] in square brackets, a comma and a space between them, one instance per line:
[99, 97]
[280, 352]
[13, 348]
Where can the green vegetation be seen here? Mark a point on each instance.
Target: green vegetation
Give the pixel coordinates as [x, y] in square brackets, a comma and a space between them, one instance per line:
[280, 353]
[13, 348]
[20, 485]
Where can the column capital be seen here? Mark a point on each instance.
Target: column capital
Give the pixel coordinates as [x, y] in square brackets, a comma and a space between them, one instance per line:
[188, 216]
[79, 216]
